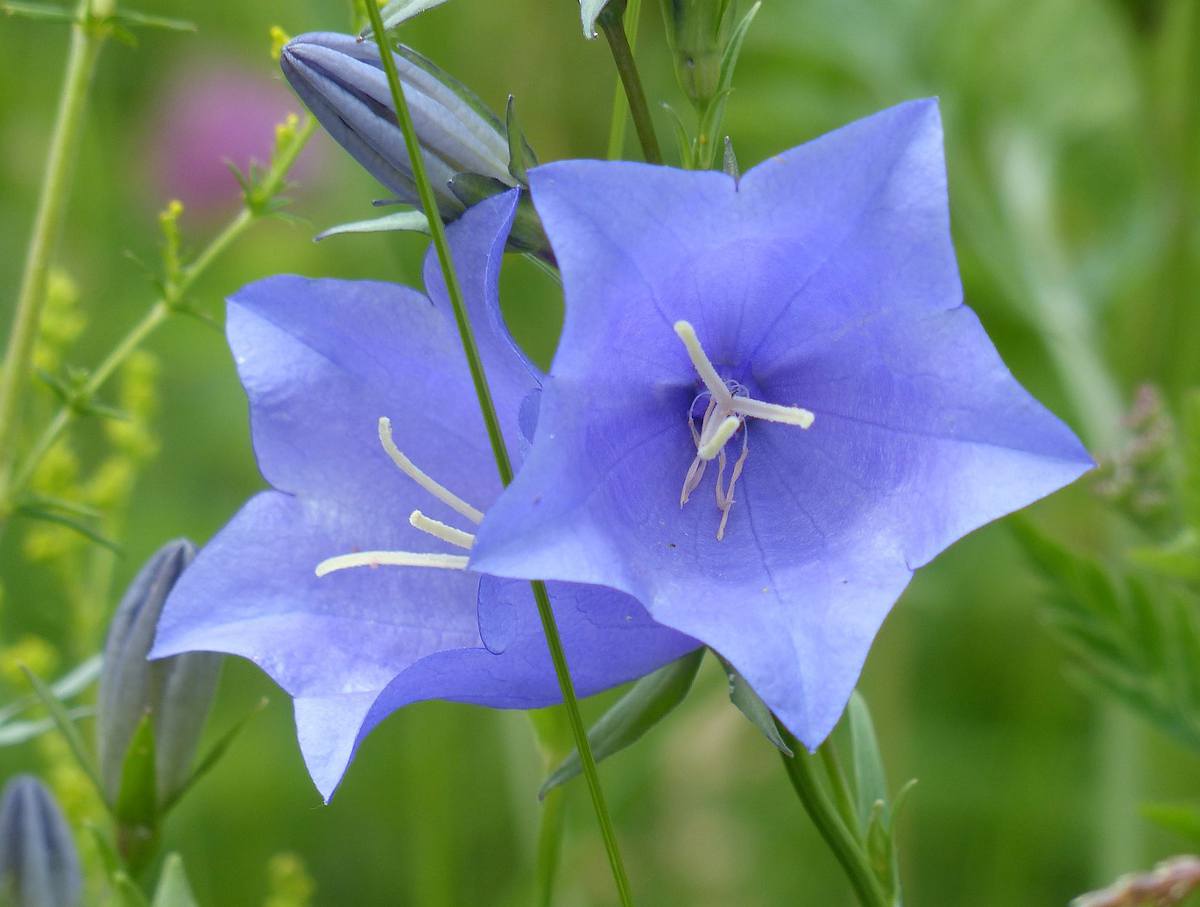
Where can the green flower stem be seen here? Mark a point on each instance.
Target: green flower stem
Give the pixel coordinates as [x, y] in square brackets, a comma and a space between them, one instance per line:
[802, 770]
[170, 301]
[611, 24]
[841, 787]
[86, 41]
[499, 451]
[620, 107]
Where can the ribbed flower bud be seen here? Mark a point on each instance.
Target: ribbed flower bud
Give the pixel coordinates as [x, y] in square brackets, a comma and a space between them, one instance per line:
[341, 80]
[177, 692]
[39, 866]
[698, 32]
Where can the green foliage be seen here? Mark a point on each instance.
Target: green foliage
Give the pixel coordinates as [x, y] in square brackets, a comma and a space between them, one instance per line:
[647, 703]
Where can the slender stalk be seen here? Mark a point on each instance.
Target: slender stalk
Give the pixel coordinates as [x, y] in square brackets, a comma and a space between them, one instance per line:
[843, 843]
[499, 451]
[620, 107]
[169, 302]
[86, 40]
[614, 31]
[841, 787]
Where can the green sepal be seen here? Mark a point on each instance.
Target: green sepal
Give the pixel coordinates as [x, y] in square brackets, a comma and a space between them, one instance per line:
[520, 155]
[472, 188]
[729, 161]
[647, 703]
[124, 891]
[742, 695]
[136, 809]
[62, 720]
[173, 889]
[397, 221]
[714, 111]
[687, 147]
[870, 782]
[213, 756]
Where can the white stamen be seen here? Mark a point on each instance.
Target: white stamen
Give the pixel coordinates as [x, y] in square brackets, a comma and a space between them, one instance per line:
[391, 559]
[440, 530]
[716, 443]
[409, 468]
[772, 412]
[726, 413]
[703, 364]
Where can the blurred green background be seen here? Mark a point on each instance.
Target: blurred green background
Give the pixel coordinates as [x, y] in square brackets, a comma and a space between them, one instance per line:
[1072, 145]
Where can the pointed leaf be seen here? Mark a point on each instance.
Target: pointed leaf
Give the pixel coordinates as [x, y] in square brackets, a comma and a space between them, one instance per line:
[137, 802]
[730, 162]
[407, 221]
[16, 732]
[649, 701]
[62, 721]
[748, 703]
[48, 516]
[173, 889]
[73, 682]
[687, 158]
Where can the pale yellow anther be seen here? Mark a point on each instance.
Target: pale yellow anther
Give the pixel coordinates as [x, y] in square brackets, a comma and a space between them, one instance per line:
[391, 559]
[409, 468]
[704, 366]
[716, 443]
[772, 412]
[441, 530]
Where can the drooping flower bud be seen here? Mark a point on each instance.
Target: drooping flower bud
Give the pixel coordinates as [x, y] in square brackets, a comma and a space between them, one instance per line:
[698, 32]
[177, 692]
[39, 866]
[341, 80]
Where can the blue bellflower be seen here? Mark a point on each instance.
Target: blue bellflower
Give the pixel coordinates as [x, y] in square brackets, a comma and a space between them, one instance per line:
[769, 404]
[322, 361]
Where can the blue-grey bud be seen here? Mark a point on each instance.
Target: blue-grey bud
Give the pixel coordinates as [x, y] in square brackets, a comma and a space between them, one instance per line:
[39, 866]
[341, 80]
[176, 691]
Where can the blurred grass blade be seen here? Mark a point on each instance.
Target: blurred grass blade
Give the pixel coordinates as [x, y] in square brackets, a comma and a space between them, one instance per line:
[742, 695]
[146, 20]
[48, 516]
[173, 889]
[23, 731]
[73, 682]
[649, 701]
[213, 756]
[63, 722]
[408, 221]
[43, 12]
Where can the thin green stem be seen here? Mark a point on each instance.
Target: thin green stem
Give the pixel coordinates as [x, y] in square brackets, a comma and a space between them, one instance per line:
[170, 301]
[801, 769]
[614, 31]
[499, 451]
[620, 107]
[86, 41]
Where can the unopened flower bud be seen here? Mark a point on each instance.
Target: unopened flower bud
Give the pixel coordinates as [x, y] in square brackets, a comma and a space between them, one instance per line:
[341, 80]
[698, 32]
[177, 692]
[39, 866]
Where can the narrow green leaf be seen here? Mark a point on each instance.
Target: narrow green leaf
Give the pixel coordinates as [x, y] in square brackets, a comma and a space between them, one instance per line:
[70, 684]
[62, 720]
[870, 782]
[213, 756]
[17, 732]
[710, 122]
[39, 11]
[649, 701]
[146, 20]
[1182, 819]
[136, 809]
[687, 156]
[48, 516]
[743, 696]
[880, 847]
[173, 889]
[410, 221]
